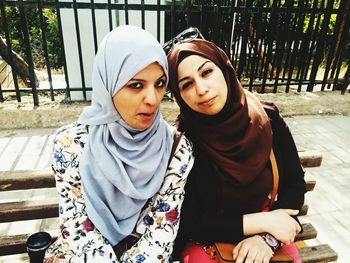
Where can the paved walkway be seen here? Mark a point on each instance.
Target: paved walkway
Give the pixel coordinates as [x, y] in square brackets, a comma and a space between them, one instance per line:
[329, 203]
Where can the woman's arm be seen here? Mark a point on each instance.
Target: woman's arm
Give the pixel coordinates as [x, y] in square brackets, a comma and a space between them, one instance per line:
[79, 240]
[292, 187]
[159, 222]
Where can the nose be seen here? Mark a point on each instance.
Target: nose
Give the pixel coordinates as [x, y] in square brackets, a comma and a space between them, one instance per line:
[201, 87]
[150, 96]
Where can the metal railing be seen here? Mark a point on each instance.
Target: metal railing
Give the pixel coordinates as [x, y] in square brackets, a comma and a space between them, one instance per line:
[272, 43]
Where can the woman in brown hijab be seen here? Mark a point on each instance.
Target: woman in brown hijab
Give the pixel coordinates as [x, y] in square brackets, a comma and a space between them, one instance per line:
[231, 182]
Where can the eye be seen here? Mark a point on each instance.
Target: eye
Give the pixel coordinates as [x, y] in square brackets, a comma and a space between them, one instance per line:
[186, 85]
[135, 85]
[160, 83]
[206, 72]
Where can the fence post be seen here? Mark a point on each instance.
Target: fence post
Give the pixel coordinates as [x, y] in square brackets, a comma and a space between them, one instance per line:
[32, 77]
[9, 48]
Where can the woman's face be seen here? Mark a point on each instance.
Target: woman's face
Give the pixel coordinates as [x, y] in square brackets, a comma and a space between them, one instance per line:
[138, 100]
[202, 85]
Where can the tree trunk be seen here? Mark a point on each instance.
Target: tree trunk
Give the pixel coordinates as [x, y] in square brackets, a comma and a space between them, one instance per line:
[19, 65]
[346, 82]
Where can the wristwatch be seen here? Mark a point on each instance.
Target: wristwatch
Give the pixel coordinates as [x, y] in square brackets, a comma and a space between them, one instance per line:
[271, 241]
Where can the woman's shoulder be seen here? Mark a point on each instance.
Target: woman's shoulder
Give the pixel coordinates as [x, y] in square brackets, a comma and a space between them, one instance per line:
[271, 109]
[68, 135]
[184, 142]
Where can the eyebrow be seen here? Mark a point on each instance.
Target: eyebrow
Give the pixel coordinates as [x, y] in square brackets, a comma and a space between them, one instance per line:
[199, 68]
[142, 80]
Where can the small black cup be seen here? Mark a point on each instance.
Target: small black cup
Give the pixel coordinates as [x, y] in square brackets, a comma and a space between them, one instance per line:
[37, 245]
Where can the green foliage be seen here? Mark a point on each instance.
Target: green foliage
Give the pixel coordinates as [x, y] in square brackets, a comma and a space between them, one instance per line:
[307, 17]
[51, 28]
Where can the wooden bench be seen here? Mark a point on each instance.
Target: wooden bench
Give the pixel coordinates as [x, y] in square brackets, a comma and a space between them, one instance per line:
[27, 210]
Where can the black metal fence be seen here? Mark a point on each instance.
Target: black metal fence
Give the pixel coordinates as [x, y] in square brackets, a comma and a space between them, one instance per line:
[275, 44]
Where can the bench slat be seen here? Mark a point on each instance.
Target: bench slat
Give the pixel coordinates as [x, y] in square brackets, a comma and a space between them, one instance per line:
[22, 180]
[310, 158]
[27, 180]
[303, 210]
[16, 244]
[320, 253]
[309, 232]
[10, 245]
[15, 211]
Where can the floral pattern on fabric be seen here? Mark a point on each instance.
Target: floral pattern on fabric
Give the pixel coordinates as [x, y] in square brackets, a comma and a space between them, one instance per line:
[158, 223]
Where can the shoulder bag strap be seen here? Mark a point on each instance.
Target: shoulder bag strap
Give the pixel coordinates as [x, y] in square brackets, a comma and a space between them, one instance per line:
[275, 176]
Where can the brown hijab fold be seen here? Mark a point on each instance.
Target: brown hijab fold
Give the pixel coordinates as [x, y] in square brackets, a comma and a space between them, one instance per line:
[239, 138]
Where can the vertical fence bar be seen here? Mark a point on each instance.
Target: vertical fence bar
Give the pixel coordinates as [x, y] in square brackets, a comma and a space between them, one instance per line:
[172, 19]
[215, 34]
[320, 45]
[259, 36]
[280, 46]
[253, 31]
[126, 12]
[143, 14]
[65, 71]
[276, 35]
[77, 33]
[313, 43]
[296, 46]
[242, 55]
[300, 58]
[342, 44]
[332, 52]
[201, 15]
[263, 42]
[343, 32]
[93, 18]
[270, 36]
[9, 48]
[216, 23]
[306, 46]
[158, 21]
[230, 38]
[46, 54]
[188, 13]
[29, 53]
[109, 6]
[234, 44]
[290, 39]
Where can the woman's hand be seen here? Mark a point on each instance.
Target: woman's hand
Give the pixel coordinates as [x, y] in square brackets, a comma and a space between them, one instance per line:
[59, 258]
[282, 225]
[278, 223]
[252, 250]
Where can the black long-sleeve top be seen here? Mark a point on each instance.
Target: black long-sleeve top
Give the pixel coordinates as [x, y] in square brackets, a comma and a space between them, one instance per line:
[203, 221]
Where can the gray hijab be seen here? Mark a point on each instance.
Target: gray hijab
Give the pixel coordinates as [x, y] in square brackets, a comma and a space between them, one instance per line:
[121, 167]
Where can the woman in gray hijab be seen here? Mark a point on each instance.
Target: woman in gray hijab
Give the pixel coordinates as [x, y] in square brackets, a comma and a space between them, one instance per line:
[119, 194]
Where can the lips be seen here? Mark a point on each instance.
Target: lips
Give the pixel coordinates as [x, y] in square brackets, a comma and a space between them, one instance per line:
[208, 102]
[146, 115]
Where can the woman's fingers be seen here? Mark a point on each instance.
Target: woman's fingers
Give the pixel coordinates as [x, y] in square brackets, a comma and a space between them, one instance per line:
[267, 258]
[252, 250]
[292, 212]
[236, 250]
[242, 254]
[252, 256]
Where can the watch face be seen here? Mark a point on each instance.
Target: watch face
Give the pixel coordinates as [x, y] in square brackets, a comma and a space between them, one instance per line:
[271, 240]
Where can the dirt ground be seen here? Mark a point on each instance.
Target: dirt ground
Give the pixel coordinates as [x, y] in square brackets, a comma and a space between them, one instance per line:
[14, 115]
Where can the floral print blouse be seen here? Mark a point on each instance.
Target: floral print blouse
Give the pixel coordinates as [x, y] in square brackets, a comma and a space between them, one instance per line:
[80, 241]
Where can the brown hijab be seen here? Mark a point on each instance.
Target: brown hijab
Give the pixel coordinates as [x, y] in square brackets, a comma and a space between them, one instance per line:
[238, 139]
